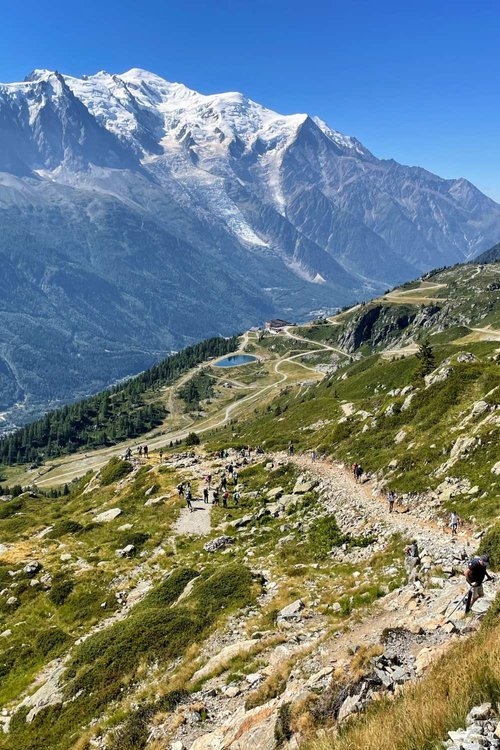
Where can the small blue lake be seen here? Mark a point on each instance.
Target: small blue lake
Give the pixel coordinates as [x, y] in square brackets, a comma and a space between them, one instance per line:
[235, 360]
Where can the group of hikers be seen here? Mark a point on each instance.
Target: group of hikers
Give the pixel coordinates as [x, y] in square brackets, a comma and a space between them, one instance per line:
[142, 450]
[220, 492]
[475, 572]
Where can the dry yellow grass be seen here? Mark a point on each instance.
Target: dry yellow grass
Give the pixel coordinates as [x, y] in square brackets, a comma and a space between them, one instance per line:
[468, 674]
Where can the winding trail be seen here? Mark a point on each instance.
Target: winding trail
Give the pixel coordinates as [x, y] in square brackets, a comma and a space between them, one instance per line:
[348, 498]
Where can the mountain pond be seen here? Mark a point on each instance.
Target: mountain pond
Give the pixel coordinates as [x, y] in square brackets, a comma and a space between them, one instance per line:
[235, 360]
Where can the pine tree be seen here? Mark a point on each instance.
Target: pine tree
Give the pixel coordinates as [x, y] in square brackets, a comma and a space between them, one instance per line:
[426, 359]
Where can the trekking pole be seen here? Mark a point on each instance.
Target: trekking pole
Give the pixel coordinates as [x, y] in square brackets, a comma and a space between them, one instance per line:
[464, 600]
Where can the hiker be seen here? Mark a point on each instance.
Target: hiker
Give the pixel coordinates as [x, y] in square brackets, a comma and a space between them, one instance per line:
[412, 560]
[391, 497]
[225, 497]
[160, 454]
[128, 454]
[145, 449]
[180, 489]
[223, 481]
[205, 495]
[475, 573]
[236, 498]
[189, 497]
[235, 477]
[229, 468]
[208, 480]
[454, 521]
[313, 456]
[357, 471]
[215, 496]
[139, 450]
[291, 449]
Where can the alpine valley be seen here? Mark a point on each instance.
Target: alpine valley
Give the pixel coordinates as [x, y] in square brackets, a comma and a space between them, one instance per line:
[138, 216]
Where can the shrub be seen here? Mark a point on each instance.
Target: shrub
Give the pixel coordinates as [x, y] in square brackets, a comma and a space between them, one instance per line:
[171, 700]
[50, 640]
[10, 507]
[323, 535]
[171, 588]
[282, 731]
[230, 586]
[114, 470]
[65, 527]
[192, 439]
[60, 590]
[133, 735]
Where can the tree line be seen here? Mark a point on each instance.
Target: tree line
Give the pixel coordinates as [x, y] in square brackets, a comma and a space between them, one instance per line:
[124, 411]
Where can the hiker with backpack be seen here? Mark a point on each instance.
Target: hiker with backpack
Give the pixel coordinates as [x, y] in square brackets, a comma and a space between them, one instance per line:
[475, 573]
[454, 521]
[391, 497]
[412, 560]
[205, 495]
[189, 497]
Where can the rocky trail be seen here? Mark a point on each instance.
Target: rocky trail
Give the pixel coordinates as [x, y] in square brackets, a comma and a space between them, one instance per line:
[302, 654]
[408, 628]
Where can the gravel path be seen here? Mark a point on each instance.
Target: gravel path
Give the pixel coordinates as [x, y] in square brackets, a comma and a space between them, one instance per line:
[354, 504]
[196, 522]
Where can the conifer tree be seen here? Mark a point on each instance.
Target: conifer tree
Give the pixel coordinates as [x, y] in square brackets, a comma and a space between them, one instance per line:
[426, 359]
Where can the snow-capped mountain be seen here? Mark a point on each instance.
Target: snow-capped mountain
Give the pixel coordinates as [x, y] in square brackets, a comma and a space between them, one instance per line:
[137, 215]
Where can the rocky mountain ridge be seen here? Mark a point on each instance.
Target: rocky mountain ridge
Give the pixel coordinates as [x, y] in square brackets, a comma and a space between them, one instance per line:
[137, 215]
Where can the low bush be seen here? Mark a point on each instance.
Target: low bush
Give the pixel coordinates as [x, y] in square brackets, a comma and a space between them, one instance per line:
[66, 526]
[324, 534]
[60, 590]
[114, 470]
[50, 641]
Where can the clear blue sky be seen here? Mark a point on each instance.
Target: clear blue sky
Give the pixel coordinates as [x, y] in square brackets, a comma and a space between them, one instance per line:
[415, 81]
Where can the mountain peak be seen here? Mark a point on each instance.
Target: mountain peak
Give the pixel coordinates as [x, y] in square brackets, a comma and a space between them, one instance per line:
[40, 74]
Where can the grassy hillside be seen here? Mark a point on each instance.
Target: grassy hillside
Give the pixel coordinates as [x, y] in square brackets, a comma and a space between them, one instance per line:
[124, 612]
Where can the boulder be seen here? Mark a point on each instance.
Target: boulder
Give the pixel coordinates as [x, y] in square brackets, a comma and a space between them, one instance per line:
[438, 376]
[479, 407]
[302, 486]
[291, 612]
[32, 568]
[479, 713]
[254, 678]
[406, 403]
[495, 469]
[154, 501]
[127, 551]
[275, 493]
[108, 515]
[232, 691]
[351, 704]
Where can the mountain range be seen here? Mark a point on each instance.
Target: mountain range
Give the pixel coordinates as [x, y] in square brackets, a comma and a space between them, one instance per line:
[137, 215]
